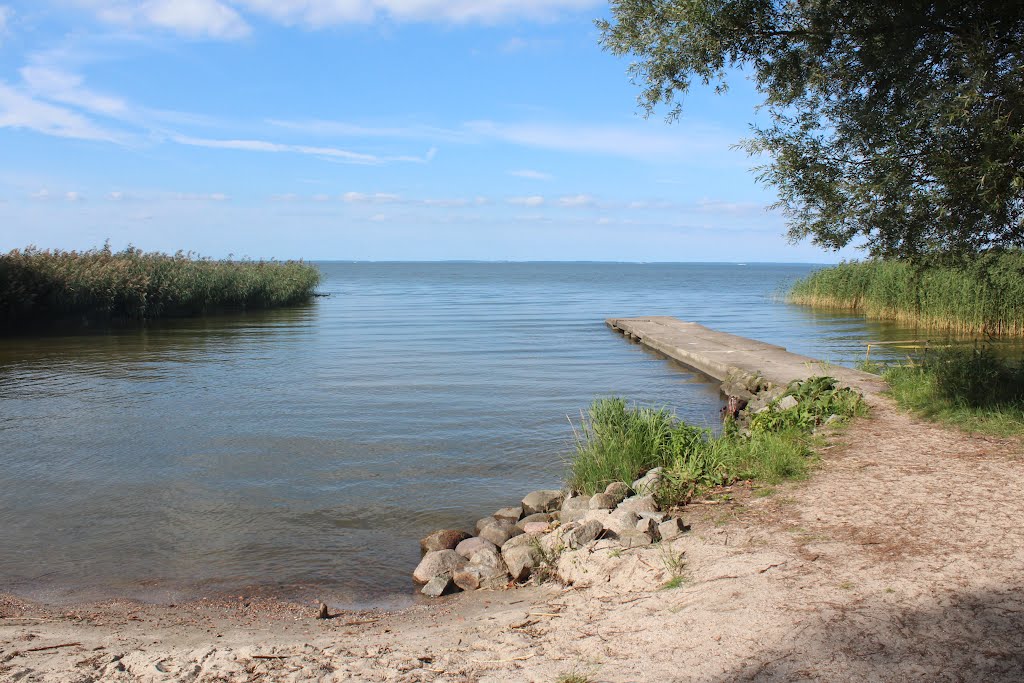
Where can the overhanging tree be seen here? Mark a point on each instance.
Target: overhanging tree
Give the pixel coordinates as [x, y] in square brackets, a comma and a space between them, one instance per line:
[898, 124]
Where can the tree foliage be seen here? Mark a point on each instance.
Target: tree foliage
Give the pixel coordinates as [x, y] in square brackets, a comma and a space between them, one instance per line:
[895, 125]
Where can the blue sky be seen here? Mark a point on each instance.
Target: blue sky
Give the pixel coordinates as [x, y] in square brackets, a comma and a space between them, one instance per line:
[363, 130]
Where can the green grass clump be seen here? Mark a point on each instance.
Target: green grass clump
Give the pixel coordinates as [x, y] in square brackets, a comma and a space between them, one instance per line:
[973, 389]
[618, 442]
[52, 285]
[986, 295]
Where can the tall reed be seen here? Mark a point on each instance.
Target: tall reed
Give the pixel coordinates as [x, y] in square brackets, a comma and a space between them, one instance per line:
[983, 297]
[46, 285]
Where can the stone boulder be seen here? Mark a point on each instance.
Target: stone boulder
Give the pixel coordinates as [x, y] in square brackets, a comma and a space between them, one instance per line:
[649, 483]
[536, 527]
[477, 577]
[509, 514]
[536, 517]
[580, 534]
[438, 586]
[603, 501]
[633, 539]
[620, 522]
[575, 503]
[499, 532]
[649, 527]
[542, 501]
[672, 529]
[445, 539]
[786, 403]
[522, 560]
[438, 563]
[471, 545]
[617, 489]
[639, 504]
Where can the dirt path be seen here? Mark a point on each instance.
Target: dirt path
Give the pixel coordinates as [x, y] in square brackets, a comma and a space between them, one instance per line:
[901, 559]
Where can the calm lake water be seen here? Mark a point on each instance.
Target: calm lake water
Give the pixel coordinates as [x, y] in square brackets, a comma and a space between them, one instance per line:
[305, 451]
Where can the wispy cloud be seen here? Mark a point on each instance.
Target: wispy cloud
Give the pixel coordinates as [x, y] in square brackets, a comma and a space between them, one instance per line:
[191, 18]
[534, 200]
[322, 13]
[531, 174]
[61, 86]
[615, 140]
[576, 200]
[331, 153]
[20, 110]
[345, 129]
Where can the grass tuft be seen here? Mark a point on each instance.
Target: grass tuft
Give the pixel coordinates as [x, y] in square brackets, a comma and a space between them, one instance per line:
[100, 284]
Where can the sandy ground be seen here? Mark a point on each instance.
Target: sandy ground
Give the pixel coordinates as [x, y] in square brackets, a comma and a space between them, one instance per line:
[902, 558]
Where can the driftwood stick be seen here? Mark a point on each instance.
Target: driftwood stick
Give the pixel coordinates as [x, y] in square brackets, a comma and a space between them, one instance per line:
[51, 647]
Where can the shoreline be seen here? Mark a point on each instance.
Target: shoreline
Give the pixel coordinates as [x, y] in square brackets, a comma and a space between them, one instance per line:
[899, 556]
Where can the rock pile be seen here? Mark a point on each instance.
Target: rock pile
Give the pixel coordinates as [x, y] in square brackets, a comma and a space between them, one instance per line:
[517, 543]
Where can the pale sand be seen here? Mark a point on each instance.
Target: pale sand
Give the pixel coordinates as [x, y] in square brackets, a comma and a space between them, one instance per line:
[902, 558]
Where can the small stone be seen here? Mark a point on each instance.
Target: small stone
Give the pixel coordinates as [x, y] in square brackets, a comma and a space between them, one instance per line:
[499, 532]
[786, 403]
[472, 545]
[476, 577]
[445, 539]
[633, 539]
[509, 514]
[603, 501]
[618, 489]
[639, 504]
[536, 517]
[536, 527]
[672, 529]
[569, 516]
[542, 501]
[832, 419]
[488, 557]
[520, 541]
[650, 527]
[648, 483]
[575, 503]
[323, 612]
[484, 522]
[658, 517]
[521, 561]
[438, 563]
[582, 534]
[438, 586]
[621, 521]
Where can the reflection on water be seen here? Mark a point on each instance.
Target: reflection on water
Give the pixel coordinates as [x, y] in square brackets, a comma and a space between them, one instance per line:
[310, 448]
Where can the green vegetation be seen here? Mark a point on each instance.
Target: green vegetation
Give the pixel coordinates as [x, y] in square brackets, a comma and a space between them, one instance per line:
[618, 442]
[895, 125]
[986, 296]
[42, 285]
[969, 388]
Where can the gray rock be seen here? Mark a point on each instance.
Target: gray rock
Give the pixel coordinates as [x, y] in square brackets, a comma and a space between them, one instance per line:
[786, 403]
[598, 515]
[438, 563]
[658, 517]
[509, 514]
[521, 561]
[472, 545]
[476, 577]
[618, 489]
[832, 419]
[650, 527]
[672, 529]
[603, 501]
[536, 527]
[520, 541]
[569, 516]
[445, 539]
[536, 517]
[438, 586]
[542, 501]
[621, 521]
[639, 504]
[485, 522]
[648, 483]
[633, 539]
[575, 503]
[499, 532]
[582, 534]
[488, 557]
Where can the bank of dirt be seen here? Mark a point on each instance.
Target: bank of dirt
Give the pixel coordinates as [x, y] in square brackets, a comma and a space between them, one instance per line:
[900, 559]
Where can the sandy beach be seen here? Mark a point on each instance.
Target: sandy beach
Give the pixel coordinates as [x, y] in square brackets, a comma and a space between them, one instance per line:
[899, 559]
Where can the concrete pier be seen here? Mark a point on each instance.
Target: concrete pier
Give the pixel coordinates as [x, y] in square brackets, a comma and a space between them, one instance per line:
[721, 355]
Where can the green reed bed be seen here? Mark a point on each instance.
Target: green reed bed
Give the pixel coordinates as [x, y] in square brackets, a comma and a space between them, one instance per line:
[52, 285]
[984, 296]
[619, 442]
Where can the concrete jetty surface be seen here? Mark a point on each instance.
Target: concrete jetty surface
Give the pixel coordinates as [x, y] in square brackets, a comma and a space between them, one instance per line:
[720, 354]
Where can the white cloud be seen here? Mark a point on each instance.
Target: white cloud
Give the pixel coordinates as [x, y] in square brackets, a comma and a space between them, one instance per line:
[116, 196]
[62, 86]
[74, 196]
[320, 13]
[527, 201]
[265, 146]
[40, 194]
[576, 200]
[20, 110]
[199, 197]
[376, 198]
[616, 140]
[532, 175]
[192, 18]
